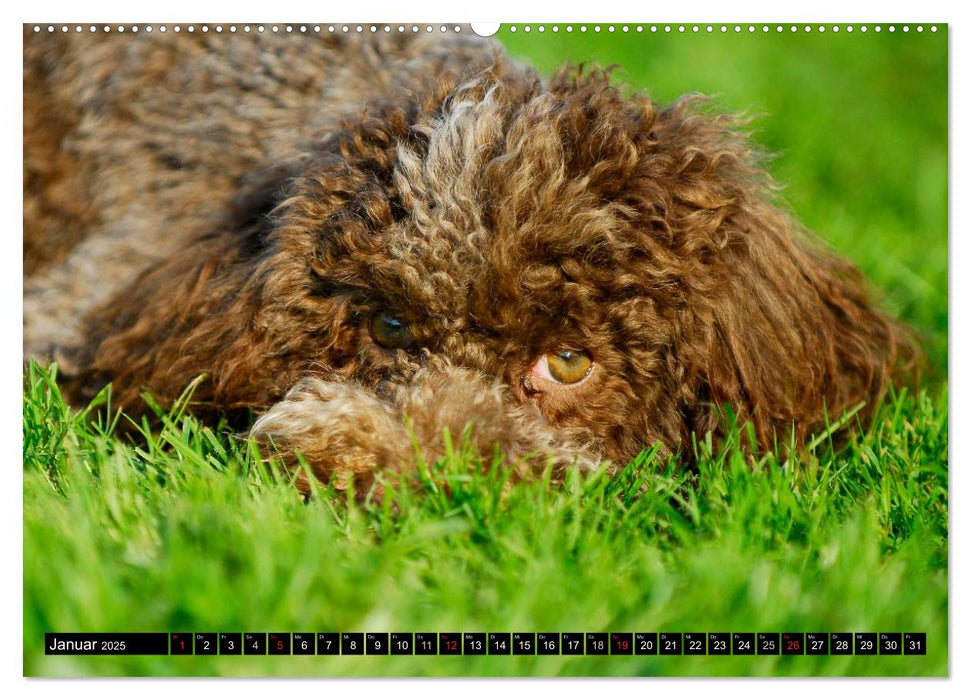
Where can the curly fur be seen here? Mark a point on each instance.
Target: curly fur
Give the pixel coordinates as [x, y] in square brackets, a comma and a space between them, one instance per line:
[240, 207]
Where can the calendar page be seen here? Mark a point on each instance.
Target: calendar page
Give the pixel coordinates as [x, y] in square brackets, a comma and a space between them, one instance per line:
[465, 350]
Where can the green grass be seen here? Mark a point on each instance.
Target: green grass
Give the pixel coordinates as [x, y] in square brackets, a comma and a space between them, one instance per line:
[191, 532]
[188, 530]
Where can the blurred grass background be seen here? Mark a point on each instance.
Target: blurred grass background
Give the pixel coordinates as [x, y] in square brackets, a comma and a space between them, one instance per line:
[190, 532]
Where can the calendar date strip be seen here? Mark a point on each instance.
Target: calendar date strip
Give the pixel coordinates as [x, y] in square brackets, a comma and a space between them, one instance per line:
[488, 644]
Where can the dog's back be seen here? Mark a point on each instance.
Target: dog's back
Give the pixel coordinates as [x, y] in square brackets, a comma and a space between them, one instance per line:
[137, 143]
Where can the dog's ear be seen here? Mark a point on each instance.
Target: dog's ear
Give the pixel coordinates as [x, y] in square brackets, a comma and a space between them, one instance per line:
[791, 341]
[771, 324]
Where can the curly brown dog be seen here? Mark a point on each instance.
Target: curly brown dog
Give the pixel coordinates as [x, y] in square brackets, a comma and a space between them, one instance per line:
[369, 240]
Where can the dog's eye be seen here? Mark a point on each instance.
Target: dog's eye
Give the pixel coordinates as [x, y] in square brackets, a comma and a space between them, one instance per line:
[389, 331]
[565, 366]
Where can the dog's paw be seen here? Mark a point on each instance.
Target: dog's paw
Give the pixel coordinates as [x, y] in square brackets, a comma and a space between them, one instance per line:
[342, 431]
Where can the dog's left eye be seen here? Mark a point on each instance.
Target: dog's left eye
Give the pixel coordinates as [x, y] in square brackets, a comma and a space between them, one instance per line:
[389, 331]
[564, 367]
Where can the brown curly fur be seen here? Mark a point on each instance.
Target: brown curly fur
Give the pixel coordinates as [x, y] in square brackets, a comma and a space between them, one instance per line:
[240, 207]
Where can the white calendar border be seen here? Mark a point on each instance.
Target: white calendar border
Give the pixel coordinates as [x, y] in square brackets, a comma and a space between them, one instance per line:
[828, 11]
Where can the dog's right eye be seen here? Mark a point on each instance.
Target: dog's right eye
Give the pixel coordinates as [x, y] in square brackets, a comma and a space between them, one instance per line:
[389, 331]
